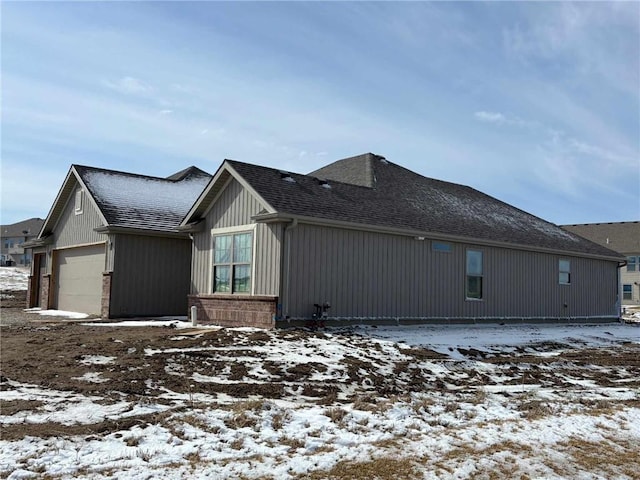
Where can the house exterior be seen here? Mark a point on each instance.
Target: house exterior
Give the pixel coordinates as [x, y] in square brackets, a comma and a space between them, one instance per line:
[108, 246]
[624, 238]
[364, 239]
[12, 238]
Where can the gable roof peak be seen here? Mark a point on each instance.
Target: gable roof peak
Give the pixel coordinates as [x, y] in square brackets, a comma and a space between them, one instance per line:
[357, 170]
[191, 171]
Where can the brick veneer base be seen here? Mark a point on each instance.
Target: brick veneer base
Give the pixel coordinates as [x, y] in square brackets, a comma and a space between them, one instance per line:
[45, 289]
[235, 310]
[30, 295]
[106, 294]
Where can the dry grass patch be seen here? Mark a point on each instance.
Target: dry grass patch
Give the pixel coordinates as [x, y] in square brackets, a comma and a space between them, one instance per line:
[613, 458]
[502, 458]
[378, 469]
[336, 414]
[11, 407]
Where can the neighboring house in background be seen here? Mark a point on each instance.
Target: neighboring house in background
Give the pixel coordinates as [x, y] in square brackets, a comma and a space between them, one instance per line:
[624, 238]
[378, 242]
[109, 247]
[13, 236]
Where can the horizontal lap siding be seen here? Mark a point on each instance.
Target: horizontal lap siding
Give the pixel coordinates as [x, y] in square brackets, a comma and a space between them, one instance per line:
[370, 275]
[151, 276]
[235, 206]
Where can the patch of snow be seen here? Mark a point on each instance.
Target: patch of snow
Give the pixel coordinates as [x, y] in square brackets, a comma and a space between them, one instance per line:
[14, 278]
[91, 377]
[57, 313]
[96, 360]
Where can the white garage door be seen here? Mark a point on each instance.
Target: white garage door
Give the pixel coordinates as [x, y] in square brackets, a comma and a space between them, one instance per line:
[79, 279]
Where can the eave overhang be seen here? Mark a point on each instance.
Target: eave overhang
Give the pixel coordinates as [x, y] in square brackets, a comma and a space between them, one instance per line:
[286, 218]
[115, 229]
[212, 191]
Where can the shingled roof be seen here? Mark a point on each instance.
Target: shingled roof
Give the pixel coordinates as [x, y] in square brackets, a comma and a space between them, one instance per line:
[623, 237]
[31, 226]
[140, 201]
[383, 194]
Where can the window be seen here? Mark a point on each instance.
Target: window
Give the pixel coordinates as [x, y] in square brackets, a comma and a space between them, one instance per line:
[627, 292]
[78, 206]
[564, 269]
[232, 263]
[631, 264]
[441, 246]
[474, 274]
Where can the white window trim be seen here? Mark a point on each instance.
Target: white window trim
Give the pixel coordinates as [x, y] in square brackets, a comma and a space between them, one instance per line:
[79, 194]
[236, 229]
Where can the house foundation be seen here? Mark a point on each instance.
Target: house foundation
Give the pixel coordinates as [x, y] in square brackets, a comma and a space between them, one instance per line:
[235, 310]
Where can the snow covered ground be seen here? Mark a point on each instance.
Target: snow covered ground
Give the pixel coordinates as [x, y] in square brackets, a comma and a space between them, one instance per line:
[14, 278]
[404, 402]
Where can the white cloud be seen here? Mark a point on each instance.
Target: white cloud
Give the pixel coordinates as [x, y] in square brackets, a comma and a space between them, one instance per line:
[129, 86]
[491, 117]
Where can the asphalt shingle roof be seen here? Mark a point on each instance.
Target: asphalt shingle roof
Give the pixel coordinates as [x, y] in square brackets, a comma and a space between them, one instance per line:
[139, 201]
[402, 199]
[623, 237]
[32, 226]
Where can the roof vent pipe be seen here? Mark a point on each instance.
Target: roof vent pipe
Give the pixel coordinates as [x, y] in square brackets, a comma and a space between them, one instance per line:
[286, 176]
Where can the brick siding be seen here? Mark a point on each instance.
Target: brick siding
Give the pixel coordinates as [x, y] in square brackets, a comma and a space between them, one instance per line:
[106, 295]
[235, 310]
[45, 289]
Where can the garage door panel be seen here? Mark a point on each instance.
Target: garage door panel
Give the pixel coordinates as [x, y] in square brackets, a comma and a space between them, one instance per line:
[79, 279]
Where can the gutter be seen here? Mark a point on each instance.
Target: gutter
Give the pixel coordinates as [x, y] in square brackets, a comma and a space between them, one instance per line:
[141, 231]
[282, 217]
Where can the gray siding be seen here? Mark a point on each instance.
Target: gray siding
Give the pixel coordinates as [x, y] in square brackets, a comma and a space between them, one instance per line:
[75, 229]
[370, 275]
[151, 276]
[235, 206]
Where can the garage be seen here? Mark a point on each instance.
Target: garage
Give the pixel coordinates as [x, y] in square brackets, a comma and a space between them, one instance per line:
[78, 278]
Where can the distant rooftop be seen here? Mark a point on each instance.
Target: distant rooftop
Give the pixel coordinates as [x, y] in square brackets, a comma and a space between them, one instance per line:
[32, 226]
[623, 237]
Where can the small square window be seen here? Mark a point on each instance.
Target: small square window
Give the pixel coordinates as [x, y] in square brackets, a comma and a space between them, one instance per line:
[441, 247]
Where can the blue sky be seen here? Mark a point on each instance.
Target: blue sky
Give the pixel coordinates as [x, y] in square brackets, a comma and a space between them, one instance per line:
[536, 104]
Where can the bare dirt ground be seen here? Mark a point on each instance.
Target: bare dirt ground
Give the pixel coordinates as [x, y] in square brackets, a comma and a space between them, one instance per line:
[187, 373]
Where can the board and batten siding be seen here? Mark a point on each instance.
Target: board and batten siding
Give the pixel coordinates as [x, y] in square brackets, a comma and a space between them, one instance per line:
[374, 275]
[76, 229]
[151, 276]
[235, 206]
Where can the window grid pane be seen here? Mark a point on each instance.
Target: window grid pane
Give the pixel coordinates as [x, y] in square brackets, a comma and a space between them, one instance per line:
[474, 262]
[242, 248]
[631, 264]
[222, 249]
[241, 278]
[221, 275]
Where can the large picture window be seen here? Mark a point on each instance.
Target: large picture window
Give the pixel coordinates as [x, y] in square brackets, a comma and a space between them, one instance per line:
[564, 272]
[232, 255]
[474, 274]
